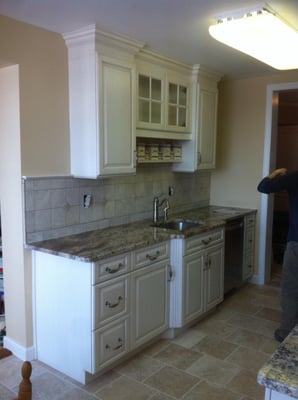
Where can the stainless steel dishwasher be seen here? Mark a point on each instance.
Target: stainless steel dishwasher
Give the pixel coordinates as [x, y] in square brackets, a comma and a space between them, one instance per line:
[234, 234]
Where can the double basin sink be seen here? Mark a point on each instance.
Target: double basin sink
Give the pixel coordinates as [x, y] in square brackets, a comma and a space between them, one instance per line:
[180, 225]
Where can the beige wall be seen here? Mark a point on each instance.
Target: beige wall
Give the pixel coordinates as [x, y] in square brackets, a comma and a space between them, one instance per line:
[240, 143]
[42, 59]
[34, 140]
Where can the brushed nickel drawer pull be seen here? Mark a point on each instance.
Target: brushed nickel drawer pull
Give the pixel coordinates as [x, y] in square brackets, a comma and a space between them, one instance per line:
[154, 257]
[113, 271]
[108, 347]
[113, 305]
[206, 241]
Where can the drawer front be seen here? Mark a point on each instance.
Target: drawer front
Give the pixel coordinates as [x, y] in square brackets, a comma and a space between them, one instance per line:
[110, 343]
[200, 242]
[250, 220]
[248, 265]
[249, 236]
[111, 268]
[151, 254]
[110, 300]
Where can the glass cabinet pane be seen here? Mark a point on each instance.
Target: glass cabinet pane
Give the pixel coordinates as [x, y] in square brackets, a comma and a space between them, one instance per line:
[156, 89]
[172, 93]
[182, 95]
[144, 111]
[144, 86]
[155, 112]
[172, 120]
[182, 117]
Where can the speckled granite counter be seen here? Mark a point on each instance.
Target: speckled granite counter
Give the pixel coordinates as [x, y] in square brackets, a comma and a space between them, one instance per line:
[280, 372]
[104, 243]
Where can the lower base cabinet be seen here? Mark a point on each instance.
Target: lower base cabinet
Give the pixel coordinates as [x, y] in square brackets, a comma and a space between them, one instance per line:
[274, 395]
[149, 303]
[88, 316]
[197, 284]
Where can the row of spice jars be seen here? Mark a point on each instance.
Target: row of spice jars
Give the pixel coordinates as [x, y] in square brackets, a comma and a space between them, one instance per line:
[159, 152]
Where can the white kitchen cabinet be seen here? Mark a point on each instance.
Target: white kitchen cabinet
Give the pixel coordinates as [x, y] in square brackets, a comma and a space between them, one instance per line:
[150, 302]
[249, 246]
[200, 153]
[102, 103]
[192, 286]
[103, 310]
[164, 98]
[274, 395]
[197, 284]
[150, 293]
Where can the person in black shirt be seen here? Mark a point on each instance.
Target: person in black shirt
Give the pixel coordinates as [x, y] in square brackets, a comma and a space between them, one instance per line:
[280, 180]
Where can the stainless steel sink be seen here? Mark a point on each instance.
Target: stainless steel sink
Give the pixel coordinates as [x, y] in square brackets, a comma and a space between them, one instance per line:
[180, 225]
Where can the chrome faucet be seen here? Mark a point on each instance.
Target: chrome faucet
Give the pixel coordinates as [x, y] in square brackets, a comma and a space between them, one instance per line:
[156, 205]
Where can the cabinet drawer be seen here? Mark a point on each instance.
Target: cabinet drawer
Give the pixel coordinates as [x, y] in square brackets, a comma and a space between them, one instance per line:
[200, 242]
[250, 220]
[151, 254]
[111, 268]
[248, 265]
[249, 236]
[110, 300]
[110, 343]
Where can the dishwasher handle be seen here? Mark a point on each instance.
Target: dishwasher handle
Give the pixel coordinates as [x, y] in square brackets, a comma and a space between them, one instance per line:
[232, 225]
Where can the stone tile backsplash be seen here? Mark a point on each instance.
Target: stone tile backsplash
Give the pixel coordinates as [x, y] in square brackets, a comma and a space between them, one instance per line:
[54, 205]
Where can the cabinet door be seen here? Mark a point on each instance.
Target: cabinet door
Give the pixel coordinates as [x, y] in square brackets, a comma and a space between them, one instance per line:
[150, 302]
[102, 115]
[193, 286]
[213, 276]
[150, 106]
[117, 129]
[207, 129]
[178, 106]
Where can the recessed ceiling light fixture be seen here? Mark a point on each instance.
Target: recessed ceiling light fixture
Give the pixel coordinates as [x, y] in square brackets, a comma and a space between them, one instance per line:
[261, 34]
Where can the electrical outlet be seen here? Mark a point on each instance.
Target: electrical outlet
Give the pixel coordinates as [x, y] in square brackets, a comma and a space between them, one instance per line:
[87, 200]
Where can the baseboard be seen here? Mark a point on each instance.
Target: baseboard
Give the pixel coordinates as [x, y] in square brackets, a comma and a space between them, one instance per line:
[256, 279]
[21, 352]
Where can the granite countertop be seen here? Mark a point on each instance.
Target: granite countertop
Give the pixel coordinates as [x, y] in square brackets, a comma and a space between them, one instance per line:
[99, 244]
[280, 372]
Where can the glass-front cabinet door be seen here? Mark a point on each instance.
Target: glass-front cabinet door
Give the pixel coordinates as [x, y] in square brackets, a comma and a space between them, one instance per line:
[177, 106]
[150, 101]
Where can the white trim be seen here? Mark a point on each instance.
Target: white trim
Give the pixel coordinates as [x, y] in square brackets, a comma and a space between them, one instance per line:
[264, 256]
[23, 353]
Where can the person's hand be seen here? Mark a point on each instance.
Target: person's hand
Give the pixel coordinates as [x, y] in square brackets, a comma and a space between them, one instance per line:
[277, 172]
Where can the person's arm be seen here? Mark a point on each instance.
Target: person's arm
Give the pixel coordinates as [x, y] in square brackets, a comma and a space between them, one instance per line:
[274, 182]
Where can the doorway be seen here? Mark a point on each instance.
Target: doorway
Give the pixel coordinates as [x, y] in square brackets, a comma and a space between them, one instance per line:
[281, 99]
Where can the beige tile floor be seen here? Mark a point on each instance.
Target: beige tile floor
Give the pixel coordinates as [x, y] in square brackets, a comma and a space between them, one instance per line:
[217, 359]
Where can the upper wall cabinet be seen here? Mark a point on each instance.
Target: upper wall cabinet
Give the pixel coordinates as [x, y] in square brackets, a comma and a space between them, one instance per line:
[102, 80]
[200, 153]
[164, 103]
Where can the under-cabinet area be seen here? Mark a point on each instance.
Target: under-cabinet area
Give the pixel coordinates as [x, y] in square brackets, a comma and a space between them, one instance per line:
[109, 303]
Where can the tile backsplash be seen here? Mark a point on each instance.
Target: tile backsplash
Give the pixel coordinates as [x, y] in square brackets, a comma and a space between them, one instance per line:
[54, 206]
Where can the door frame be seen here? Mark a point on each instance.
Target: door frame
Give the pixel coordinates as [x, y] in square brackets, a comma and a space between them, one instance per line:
[269, 163]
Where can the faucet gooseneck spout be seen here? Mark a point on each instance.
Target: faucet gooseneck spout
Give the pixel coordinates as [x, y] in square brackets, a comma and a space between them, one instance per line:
[156, 205]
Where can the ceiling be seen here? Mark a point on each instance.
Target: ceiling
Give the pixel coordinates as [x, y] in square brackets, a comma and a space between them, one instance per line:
[177, 28]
